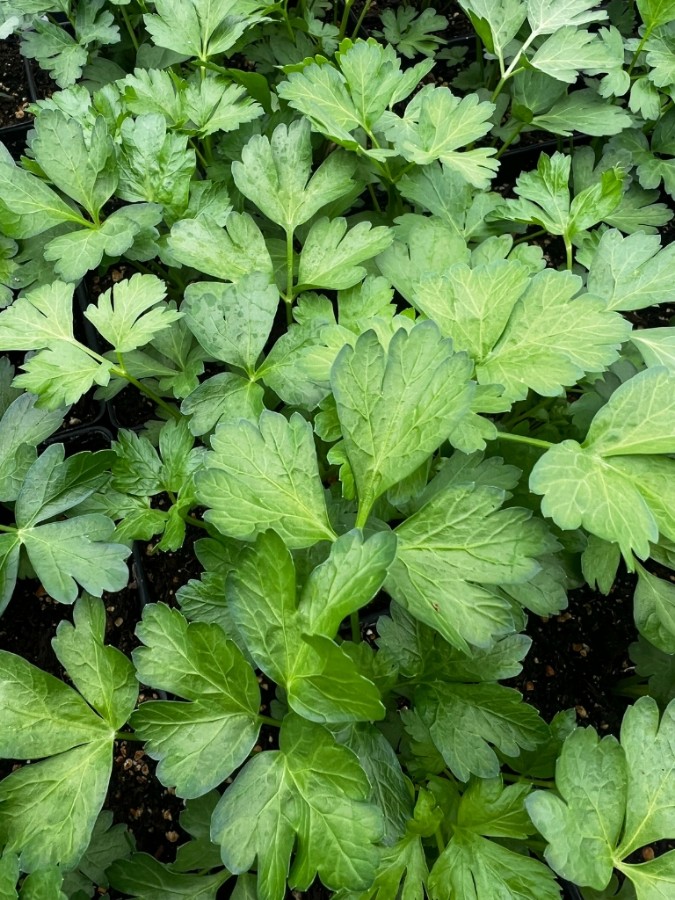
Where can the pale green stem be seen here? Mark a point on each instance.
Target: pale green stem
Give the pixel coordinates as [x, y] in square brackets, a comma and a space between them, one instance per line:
[523, 439]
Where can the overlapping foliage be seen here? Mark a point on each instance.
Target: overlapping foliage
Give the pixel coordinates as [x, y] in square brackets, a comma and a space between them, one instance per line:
[377, 399]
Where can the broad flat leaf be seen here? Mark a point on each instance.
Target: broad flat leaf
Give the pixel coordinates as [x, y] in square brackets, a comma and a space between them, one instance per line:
[465, 719]
[200, 743]
[656, 12]
[547, 16]
[216, 104]
[57, 51]
[265, 476]
[413, 33]
[347, 580]
[654, 610]
[221, 398]
[103, 675]
[473, 868]
[631, 272]
[22, 428]
[277, 176]
[561, 336]
[496, 21]
[39, 318]
[583, 111]
[321, 681]
[455, 553]
[83, 170]
[145, 878]
[132, 312]
[436, 123]
[232, 322]
[614, 798]
[200, 28]
[61, 374]
[490, 809]
[337, 103]
[108, 843]
[569, 50]
[392, 409]
[226, 253]
[28, 206]
[313, 788]
[331, 254]
[656, 346]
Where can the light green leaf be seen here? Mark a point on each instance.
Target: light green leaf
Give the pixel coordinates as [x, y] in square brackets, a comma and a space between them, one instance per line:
[265, 476]
[227, 253]
[473, 868]
[277, 176]
[23, 427]
[561, 336]
[200, 743]
[392, 409]
[331, 254]
[201, 28]
[83, 169]
[654, 610]
[221, 398]
[455, 553]
[56, 50]
[61, 374]
[48, 809]
[313, 788]
[216, 104]
[490, 809]
[232, 322]
[583, 111]
[547, 16]
[132, 312]
[655, 13]
[322, 682]
[496, 21]
[656, 346]
[103, 675]
[436, 123]
[569, 50]
[464, 719]
[631, 272]
[28, 206]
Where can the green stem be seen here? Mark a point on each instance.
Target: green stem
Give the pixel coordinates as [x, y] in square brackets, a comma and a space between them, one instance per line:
[121, 372]
[287, 21]
[523, 779]
[191, 520]
[8, 529]
[530, 237]
[362, 16]
[289, 266]
[127, 22]
[507, 143]
[523, 439]
[356, 627]
[268, 720]
[440, 843]
[568, 253]
[640, 48]
[373, 197]
[513, 68]
[363, 513]
[200, 156]
[126, 736]
[345, 19]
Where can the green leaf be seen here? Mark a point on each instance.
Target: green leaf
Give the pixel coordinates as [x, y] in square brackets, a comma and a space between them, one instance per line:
[436, 123]
[569, 50]
[453, 556]
[337, 103]
[221, 398]
[412, 33]
[631, 272]
[656, 346]
[277, 176]
[55, 50]
[232, 322]
[465, 719]
[392, 410]
[561, 335]
[265, 476]
[321, 681]
[103, 675]
[200, 743]
[200, 28]
[132, 312]
[655, 13]
[145, 878]
[83, 170]
[23, 427]
[313, 788]
[496, 21]
[215, 104]
[547, 16]
[654, 610]
[583, 111]
[346, 581]
[108, 843]
[490, 809]
[331, 254]
[28, 206]
[473, 867]
[623, 795]
[227, 254]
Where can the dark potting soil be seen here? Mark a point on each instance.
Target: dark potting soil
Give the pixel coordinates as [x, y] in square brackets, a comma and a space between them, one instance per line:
[458, 25]
[14, 91]
[166, 572]
[578, 658]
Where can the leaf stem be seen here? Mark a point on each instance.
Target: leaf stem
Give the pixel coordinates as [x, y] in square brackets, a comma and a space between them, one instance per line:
[126, 736]
[640, 48]
[355, 627]
[507, 143]
[568, 253]
[362, 16]
[192, 520]
[524, 779]
[127, 22]
[345, 19]
[523, 439]
[8, 529]
[268, 720]
[513, 68]
[440, 843]
[144, 389]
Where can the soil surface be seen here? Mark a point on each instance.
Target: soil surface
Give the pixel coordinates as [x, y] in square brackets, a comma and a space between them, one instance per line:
[14, 90]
